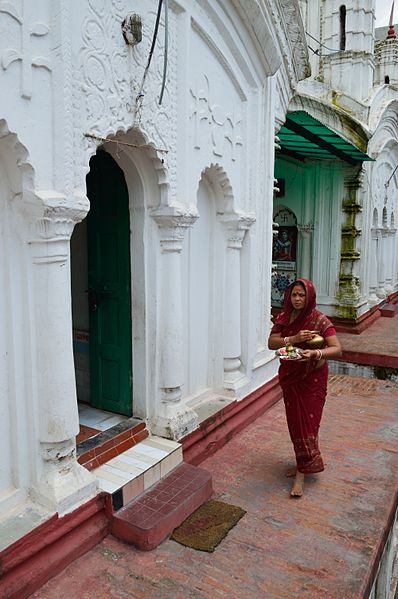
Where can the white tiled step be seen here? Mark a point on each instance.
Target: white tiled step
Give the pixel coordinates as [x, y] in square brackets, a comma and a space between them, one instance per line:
[139, 467]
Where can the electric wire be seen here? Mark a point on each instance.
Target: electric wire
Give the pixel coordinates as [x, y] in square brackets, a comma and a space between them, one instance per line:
[166, 48]
[140, 95]
[321, 44]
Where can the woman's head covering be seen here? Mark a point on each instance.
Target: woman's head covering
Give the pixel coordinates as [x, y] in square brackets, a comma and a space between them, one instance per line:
[310, 302]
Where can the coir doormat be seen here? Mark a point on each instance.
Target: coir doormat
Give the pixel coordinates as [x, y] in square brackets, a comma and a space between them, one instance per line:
[206, 528]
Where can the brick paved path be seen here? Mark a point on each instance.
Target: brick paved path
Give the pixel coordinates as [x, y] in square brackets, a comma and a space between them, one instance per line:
[320, 546]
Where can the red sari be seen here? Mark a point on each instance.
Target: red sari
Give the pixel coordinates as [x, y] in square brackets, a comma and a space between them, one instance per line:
[304, 384]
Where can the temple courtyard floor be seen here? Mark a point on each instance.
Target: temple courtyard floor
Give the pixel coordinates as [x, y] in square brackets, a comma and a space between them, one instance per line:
[326, 544]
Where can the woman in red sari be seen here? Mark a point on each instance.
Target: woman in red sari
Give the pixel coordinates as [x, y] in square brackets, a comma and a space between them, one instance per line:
[304, 381]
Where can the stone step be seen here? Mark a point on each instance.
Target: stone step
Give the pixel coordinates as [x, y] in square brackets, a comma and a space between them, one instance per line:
[135, 470]
[150, 518]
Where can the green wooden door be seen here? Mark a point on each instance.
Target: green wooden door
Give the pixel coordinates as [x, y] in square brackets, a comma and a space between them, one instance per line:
[109, 286]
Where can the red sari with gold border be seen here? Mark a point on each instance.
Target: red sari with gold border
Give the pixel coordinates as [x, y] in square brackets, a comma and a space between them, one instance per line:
[304, 384]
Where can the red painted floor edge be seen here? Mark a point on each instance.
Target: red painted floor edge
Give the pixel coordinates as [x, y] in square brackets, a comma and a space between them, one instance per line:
[218, 429]
[51, 547]
[27, 578]
[378, 551]
[369, 359]
[48, 533]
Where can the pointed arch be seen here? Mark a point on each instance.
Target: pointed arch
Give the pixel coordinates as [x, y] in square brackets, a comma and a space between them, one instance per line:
[385, 218]
[217, 176]
[375, 220]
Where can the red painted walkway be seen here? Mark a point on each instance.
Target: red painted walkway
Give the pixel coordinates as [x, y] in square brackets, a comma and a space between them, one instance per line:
[376, 346]
[321, 546]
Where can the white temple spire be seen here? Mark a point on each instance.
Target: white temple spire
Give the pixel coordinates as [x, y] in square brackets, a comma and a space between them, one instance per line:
[391, 35]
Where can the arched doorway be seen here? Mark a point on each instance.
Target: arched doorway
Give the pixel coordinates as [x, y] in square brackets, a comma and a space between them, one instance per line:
[101, 291]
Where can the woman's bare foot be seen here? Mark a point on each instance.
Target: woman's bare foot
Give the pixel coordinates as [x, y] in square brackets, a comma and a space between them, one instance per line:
[298, 485]
[291, 472]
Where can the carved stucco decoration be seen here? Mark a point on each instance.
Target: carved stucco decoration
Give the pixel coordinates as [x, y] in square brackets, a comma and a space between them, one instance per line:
[384, 185]
[110, 75]
[291, 34]
[224, 126]
[289, 30]
[28, 28]
[15, 158]
[216, 174]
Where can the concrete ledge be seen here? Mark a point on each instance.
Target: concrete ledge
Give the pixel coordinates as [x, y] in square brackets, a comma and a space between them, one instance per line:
[30, 562]
[151, 518]
[219, 428]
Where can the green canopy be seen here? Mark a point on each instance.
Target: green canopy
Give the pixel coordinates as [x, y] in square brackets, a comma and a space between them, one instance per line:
[303, 136]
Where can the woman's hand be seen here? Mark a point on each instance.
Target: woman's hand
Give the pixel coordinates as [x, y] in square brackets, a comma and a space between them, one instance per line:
[308, 354]
[302, 337]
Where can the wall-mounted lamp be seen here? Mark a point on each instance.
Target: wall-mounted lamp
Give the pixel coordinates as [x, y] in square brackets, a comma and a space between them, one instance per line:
[132, 29]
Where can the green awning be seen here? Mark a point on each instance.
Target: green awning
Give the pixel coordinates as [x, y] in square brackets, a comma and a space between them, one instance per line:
[302, 137]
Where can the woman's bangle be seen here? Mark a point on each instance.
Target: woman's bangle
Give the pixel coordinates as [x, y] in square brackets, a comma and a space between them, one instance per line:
[286, 340]
[319, 355]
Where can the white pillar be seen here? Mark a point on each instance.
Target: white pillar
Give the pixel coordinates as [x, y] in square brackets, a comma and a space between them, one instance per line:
[304, 250]
[172, 418]
[382, 237]
[389, 260]
[62, 483]
[236, 226]
[373, 267]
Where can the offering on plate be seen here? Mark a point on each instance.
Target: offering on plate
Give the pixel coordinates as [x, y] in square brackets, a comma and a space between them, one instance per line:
[289, 353]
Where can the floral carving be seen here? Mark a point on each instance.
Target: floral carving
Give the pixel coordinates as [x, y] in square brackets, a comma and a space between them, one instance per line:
[111, 75]
[225, 127]
[28, 29]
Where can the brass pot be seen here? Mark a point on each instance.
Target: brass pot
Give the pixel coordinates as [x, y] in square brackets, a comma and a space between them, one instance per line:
[316, 341]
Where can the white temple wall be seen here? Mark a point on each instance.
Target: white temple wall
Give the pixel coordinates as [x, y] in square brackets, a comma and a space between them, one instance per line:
[382, 203]
[199, 170]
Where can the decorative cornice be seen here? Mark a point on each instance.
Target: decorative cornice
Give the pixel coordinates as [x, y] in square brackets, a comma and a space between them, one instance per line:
[173, 221]
[236, 225]
[52, 216]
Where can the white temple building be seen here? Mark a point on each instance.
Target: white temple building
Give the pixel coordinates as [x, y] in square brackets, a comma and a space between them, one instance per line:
[337, 199]
[158, 298]
[138, 212]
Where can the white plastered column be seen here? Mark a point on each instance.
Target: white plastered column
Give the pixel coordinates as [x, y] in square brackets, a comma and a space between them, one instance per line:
[173, 418]
[236, 226]
[62, 483]
[305, 232]
[373, 267]
[389, 259]
[382, 239]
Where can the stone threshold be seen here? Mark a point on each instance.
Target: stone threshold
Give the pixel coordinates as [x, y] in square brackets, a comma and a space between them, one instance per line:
[138, 468]
[110, 443]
